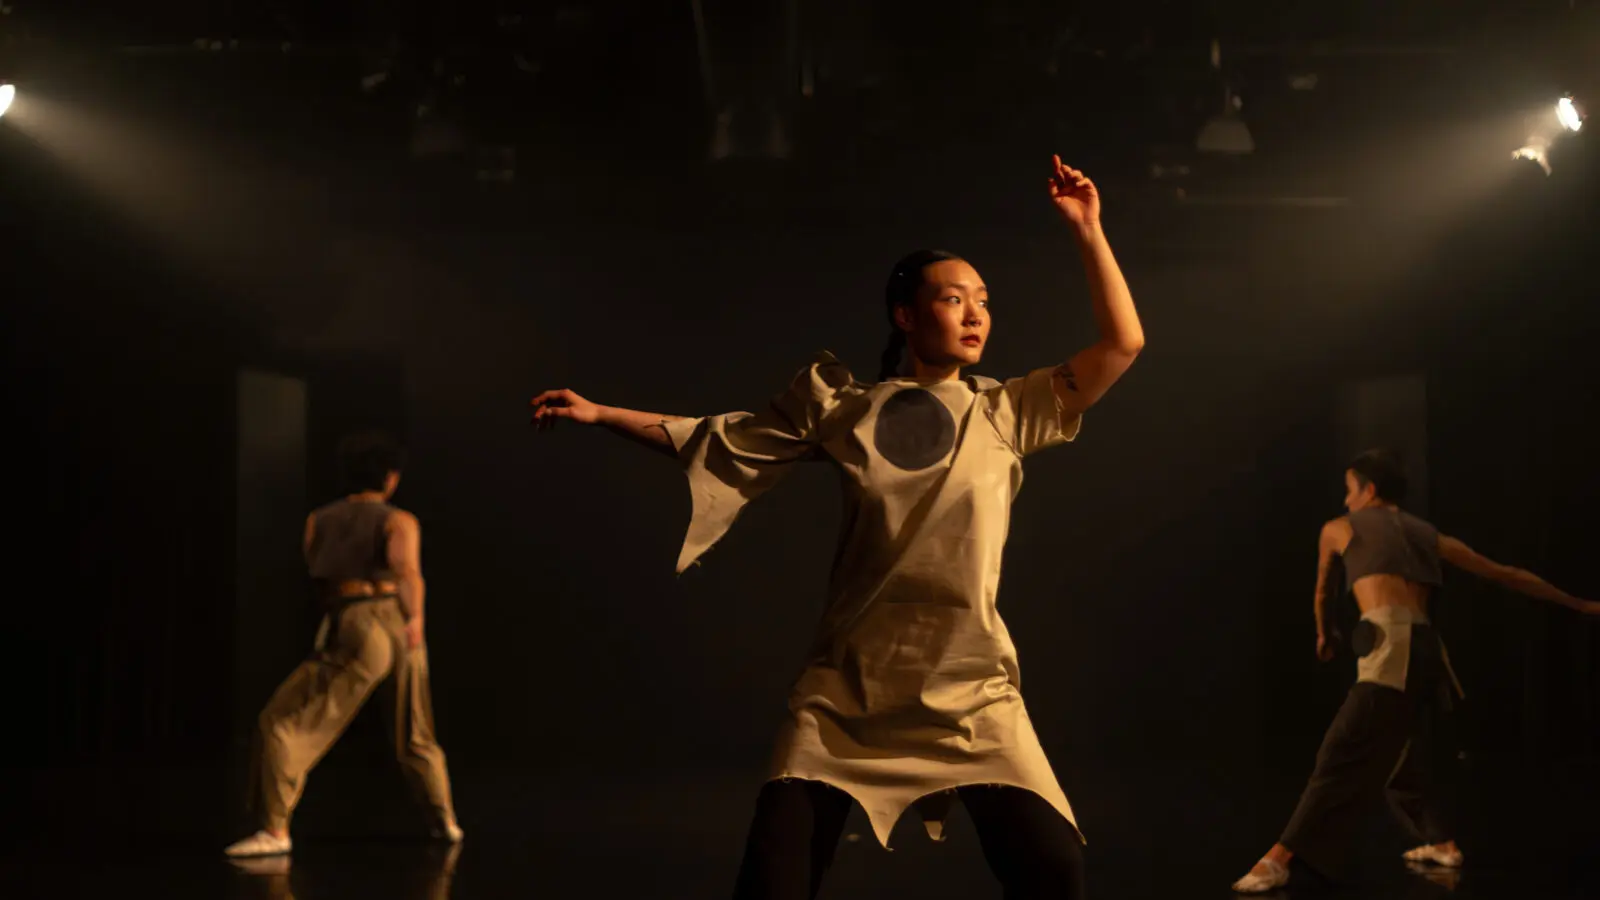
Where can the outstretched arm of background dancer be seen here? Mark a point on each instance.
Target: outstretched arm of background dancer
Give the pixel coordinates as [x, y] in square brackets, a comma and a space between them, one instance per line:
[405, 560]
[641, 427]
[1522, 581]
[1330, 543]
[1084, 379]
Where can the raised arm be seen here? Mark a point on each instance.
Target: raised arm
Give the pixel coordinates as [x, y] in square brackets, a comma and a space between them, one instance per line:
[1331, 542]
[639, 427]
[1522, 581]
[1085, 378]
[405, 559]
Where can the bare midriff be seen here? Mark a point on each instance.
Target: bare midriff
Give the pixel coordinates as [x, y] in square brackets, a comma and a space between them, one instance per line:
[1377, 591]
[356, 589]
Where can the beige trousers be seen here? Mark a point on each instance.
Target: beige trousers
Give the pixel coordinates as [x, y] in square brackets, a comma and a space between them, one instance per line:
[365, 647]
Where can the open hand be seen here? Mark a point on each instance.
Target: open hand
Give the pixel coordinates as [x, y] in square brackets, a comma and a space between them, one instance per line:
[563, 404]
[1074, 195]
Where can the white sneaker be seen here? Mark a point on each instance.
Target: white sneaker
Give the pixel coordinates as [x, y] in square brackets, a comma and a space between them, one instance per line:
[261, 865]
[1275, 876]
[1436, 854]
[262, 843]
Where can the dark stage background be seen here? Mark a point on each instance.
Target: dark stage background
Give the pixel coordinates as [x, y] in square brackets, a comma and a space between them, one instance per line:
[217, 261]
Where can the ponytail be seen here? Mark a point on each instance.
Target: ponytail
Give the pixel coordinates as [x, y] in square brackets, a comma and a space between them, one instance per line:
[904, 279]
[893, 352]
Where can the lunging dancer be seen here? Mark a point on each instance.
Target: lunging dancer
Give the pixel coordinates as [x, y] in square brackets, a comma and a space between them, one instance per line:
[909, 694]
[1380, 740]
[365, 558]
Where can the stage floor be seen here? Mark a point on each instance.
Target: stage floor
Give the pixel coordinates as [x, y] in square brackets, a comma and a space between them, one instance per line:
[496, 867]
[1162, 832]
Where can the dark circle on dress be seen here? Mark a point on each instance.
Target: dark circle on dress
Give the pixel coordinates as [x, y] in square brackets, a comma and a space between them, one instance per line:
[1366, 638]
[915, 430]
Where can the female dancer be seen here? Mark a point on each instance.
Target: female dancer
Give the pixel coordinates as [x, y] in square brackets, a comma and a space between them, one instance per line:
[1379, 739]
[365, 558]
[910, 692]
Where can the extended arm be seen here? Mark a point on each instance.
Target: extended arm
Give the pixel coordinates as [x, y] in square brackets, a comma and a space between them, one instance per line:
[1522, 581]
[730, 459]
[1085, 378]
[639, 427]
[405, 559]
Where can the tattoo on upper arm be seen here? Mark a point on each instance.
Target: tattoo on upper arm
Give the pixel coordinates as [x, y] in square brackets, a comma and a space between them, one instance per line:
[1064, 371]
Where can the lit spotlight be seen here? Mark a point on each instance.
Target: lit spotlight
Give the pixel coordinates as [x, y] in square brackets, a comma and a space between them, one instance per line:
[1567, 112]
[8, 93]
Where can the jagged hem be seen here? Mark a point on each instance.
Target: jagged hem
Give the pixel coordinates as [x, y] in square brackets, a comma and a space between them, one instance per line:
[882, 829]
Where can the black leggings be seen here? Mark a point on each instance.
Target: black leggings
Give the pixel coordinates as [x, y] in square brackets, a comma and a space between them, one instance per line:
[1030, 847]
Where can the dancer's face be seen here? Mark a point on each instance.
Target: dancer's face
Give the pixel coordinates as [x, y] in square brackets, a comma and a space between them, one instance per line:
[948, 325]
[1358, 496]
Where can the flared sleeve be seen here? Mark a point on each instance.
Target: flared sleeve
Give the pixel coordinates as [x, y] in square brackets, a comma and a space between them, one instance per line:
[1029, 415]
[733, 458]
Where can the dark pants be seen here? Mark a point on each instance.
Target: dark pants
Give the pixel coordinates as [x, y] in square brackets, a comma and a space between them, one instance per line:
[1030, 847]
[1380, 745]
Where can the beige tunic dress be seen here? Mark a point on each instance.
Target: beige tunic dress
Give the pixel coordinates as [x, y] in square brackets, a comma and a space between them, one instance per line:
[911, 687]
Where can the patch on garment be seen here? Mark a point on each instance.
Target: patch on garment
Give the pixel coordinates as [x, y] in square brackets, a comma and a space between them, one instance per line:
[1365, 638]
[914, 430]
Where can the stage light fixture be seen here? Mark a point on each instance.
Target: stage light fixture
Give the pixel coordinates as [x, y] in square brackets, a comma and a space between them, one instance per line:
[1226, 134]
[1568, 114]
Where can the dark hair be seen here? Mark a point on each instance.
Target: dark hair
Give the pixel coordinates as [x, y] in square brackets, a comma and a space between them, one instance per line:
[1384, 471]
[365, 460]
[904, 279]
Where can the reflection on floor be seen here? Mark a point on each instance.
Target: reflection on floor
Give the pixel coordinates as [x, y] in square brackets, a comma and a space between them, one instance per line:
[416, 871]
[103, 834]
